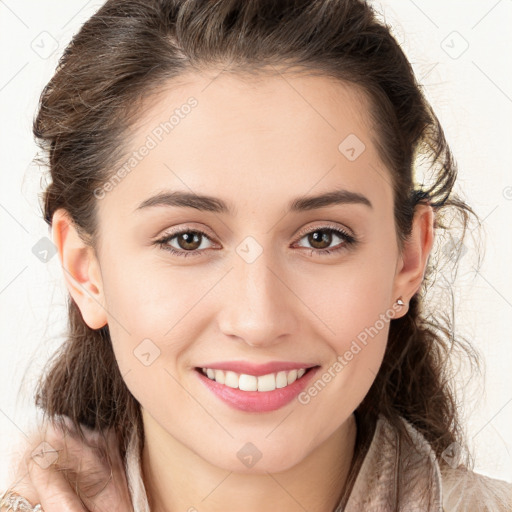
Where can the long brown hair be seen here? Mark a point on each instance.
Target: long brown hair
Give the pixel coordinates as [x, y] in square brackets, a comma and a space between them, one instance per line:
[128, 49]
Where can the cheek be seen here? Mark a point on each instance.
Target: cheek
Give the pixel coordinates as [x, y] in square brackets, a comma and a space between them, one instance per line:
[155, 312]
[357, 352]
[348, 299]
[147, 297]
[354, 303]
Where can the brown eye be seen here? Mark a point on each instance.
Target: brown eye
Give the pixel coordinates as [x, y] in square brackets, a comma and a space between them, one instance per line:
[188, 242]
[321, 239]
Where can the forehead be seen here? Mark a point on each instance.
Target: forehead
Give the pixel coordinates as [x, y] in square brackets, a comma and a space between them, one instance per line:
[252, 137]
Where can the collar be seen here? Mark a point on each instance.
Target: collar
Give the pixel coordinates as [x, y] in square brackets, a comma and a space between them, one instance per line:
[398, 473]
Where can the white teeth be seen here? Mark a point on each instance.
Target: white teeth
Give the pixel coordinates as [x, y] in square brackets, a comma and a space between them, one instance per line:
[220, 376]
[231, 379]
[245, 382]
[248, 383]
[292, 376]
[265, 382]
[281, 380]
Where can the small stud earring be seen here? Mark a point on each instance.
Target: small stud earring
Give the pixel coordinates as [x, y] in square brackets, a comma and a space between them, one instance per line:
[399, 301]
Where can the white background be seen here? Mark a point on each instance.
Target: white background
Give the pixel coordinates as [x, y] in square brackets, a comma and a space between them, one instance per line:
[471, 91]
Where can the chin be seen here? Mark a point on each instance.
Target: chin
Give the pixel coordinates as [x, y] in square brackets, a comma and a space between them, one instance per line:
[267, 463]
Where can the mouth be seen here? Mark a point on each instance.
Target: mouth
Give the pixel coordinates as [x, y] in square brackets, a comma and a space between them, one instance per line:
[259, 383]
[256, 394]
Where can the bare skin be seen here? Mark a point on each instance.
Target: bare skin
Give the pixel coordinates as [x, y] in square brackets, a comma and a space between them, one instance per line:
[257, 145]
[63, 474]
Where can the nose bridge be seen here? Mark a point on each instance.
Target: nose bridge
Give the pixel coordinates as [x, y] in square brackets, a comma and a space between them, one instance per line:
[259, 308]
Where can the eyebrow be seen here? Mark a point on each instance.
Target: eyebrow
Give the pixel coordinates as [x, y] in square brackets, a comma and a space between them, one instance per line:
[207, 203]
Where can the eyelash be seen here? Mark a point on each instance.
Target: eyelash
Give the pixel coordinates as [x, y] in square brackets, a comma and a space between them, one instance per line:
[348, 241]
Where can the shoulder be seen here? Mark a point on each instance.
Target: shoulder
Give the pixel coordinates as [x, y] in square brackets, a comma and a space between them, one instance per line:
[400, 471]
[460, 489]
[465, 490]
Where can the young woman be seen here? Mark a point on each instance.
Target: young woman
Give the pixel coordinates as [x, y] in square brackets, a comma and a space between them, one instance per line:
[247, 249]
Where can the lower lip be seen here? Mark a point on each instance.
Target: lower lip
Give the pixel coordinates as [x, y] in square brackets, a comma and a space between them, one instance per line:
[258, 401]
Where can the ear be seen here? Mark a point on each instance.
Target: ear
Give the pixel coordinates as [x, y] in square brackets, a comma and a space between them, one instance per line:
[412, 262]
[81, 270]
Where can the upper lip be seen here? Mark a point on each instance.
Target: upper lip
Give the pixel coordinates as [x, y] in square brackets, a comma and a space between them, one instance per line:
[243, 367]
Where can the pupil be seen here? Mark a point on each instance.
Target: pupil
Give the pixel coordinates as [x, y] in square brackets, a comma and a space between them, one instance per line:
[319, 237]
[189, 239]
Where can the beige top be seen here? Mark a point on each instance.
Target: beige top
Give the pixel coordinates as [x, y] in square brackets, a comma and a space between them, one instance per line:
[396, 475]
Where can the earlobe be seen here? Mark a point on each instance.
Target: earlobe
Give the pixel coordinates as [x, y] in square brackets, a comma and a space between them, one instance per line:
[415, 254]
[81, 270]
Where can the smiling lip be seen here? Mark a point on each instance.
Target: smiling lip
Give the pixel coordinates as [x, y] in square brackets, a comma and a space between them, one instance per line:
[256, 369]
[258, 401]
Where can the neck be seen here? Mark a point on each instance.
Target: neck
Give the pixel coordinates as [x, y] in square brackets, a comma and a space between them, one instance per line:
[177, 479]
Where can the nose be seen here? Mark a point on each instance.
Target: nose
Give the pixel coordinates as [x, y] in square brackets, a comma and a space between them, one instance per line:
[258, 305]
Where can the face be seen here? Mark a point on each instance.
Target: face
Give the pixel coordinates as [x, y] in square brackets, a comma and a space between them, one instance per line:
[261, 281]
